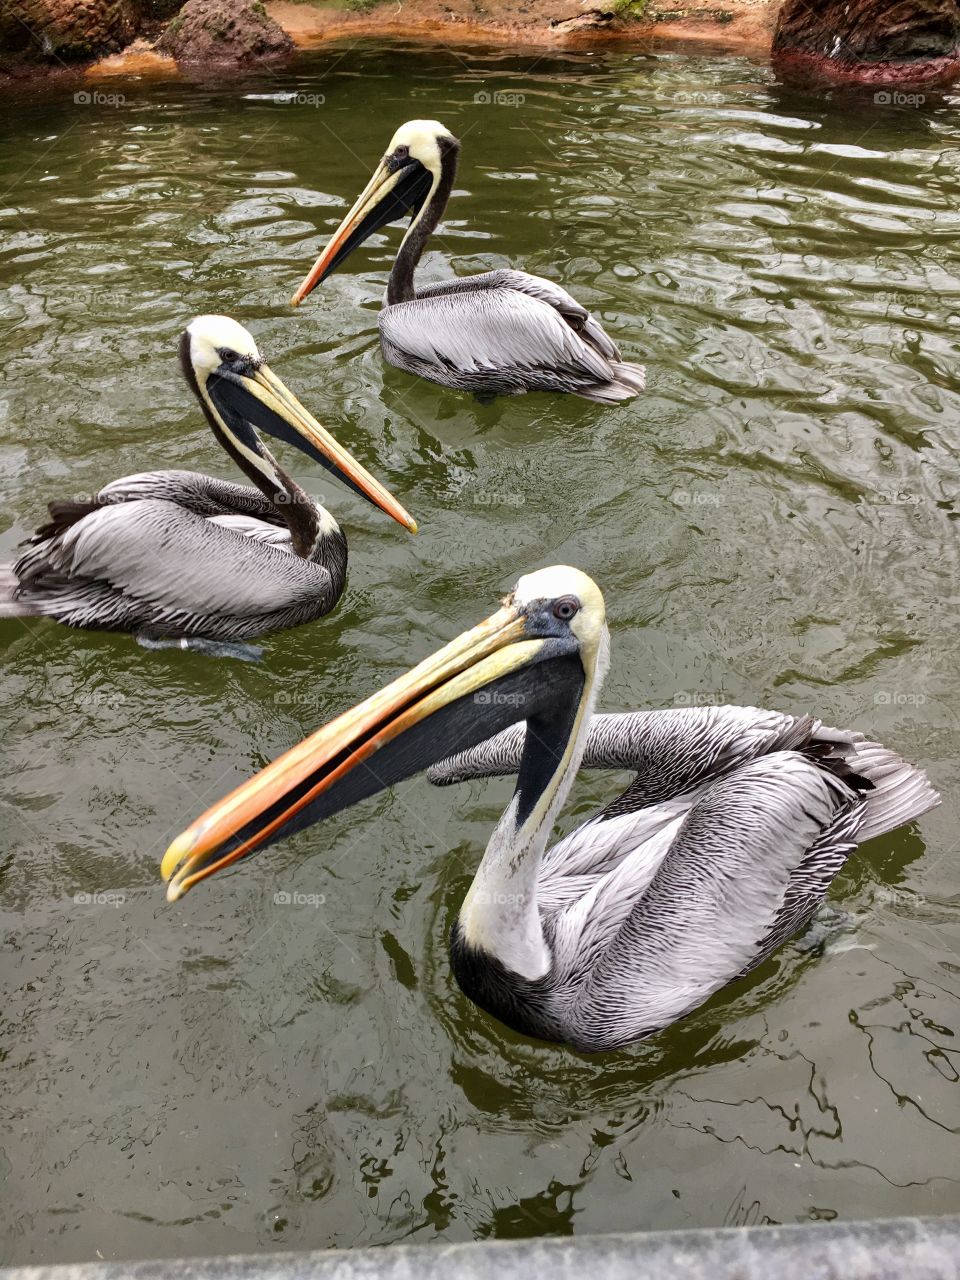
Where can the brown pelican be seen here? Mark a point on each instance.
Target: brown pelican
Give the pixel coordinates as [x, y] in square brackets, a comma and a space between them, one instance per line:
[722, 847]
[500, 333]
[182, 559]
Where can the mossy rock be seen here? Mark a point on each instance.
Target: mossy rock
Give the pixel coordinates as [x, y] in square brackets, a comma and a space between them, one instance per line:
[224, 32]
[631, 10]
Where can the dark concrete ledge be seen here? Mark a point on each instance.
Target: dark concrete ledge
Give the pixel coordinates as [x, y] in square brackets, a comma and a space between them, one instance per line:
[897, 1249]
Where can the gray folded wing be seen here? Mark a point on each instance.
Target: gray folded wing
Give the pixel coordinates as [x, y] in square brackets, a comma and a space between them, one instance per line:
[749, 863]
[143, 561]
[676, 751]
[499, 330]
[670, 749]
[574, 313]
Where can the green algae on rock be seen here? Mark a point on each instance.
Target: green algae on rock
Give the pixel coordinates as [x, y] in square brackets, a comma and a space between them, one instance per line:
[236, 32]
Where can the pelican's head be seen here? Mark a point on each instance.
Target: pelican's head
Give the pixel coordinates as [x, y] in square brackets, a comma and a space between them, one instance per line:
[240, 394]
[217, 341]
[539, 658]
[422, 142]
[421, 156]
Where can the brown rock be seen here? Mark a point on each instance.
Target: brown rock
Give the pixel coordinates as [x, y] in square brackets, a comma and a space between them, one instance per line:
[63, 30]
[232, 32]
[591, 20]
[869, 31]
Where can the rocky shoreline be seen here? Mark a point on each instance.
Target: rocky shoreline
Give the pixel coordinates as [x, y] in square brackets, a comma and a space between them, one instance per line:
[866, 41]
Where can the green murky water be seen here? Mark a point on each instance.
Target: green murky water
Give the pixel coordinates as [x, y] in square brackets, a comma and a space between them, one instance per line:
[773, 523]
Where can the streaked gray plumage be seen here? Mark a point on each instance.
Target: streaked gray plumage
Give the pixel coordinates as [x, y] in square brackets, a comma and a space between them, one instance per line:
[176, 554]
[500, 333]
[180, 558]
[505, 333]
[721, 848]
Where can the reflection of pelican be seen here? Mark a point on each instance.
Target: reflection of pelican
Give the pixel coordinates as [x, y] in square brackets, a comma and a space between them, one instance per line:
[722, 847]
[500, 333]
[178, 557]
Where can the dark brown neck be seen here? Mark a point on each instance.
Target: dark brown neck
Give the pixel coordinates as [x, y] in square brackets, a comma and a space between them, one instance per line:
[293, 505]
[295, 508]
[400, 285]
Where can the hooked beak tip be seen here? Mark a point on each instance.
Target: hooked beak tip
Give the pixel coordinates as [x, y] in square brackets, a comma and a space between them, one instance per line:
[174, 857]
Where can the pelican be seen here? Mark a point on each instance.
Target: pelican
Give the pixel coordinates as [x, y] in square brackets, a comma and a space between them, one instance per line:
[181, 559]
[722, 847]
[500, 333]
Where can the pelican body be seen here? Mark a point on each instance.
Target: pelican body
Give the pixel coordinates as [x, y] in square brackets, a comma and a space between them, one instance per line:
[722, 847]
[180, 557]
[499, 333]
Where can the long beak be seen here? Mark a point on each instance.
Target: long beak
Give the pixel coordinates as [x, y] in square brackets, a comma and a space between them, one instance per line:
[262, 399]
[462, 695]
[386, 197]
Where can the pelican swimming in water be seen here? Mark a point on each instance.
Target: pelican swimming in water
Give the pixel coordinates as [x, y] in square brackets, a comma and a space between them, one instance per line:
[722, 847]
[500, 333]
[180, 558]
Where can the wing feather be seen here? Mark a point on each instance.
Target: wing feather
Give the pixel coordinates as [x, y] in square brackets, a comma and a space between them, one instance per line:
[505, 331]
[150, 561]
[710, 910]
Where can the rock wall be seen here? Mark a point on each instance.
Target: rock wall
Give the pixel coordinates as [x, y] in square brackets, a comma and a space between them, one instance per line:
[68, 29]
[869, 31]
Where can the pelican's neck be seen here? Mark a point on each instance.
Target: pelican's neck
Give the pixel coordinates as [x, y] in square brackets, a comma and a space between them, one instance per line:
[295, 508]
[500, 915]
[400, 285]
[293, 505]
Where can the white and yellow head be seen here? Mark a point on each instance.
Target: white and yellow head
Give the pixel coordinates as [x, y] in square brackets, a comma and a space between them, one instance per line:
[241, 396]
[217, 341]
[422, 154]
[572, 596]
[421, 140]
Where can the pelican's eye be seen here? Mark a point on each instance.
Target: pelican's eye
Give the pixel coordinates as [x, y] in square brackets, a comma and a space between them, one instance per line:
[398, 158]
[228, 356]
[566, 607]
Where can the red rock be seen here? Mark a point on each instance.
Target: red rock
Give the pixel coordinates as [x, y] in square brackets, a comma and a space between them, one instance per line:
[62, 30]
[871, 41]
[233, 32]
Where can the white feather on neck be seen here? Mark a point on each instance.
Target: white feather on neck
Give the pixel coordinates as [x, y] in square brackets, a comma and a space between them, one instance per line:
[500, 913]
